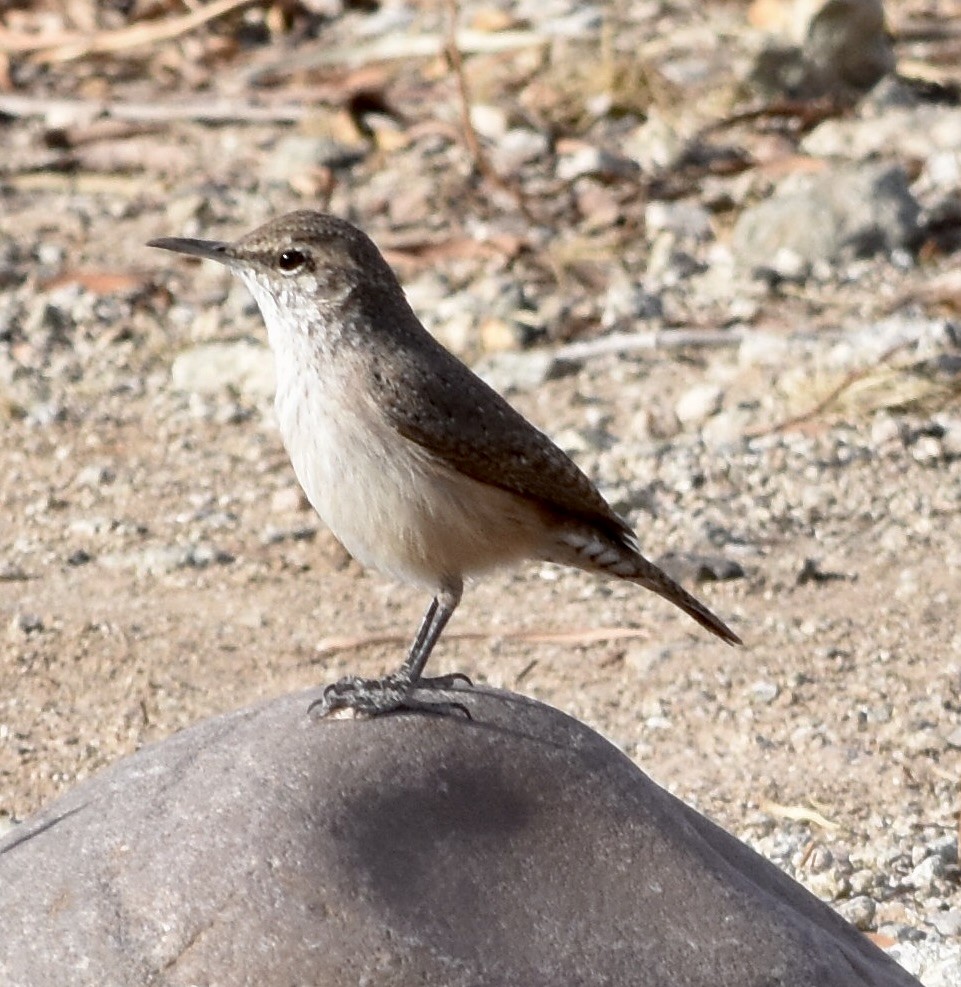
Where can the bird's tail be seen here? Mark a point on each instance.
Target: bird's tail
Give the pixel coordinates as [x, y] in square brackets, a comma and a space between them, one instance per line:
[651, 577]
[594, 552]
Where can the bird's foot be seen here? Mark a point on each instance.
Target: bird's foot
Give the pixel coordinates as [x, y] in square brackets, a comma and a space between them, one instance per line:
[392, 693]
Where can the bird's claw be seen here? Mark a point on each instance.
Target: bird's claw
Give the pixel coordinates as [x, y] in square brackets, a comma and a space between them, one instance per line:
[445, 682]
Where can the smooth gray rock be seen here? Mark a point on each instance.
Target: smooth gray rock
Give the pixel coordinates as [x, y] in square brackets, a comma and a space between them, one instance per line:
[518, 848]
[850, 210]
[849, 46]
[917, 133]
[847, 50]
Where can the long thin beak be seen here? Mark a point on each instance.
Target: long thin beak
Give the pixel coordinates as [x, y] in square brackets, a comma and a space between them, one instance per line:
[211, 249]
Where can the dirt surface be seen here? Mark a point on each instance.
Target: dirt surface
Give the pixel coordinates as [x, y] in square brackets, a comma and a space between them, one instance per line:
[157, 565]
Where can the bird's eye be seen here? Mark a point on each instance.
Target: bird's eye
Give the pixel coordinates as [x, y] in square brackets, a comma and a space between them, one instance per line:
[291, 260]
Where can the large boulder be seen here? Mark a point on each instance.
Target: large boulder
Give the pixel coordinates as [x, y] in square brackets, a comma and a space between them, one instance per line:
[515, 849]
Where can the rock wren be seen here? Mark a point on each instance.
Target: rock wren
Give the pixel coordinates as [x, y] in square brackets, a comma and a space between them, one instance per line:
[417, 466]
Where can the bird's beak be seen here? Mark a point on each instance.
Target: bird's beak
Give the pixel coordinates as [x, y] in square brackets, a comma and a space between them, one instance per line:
[210, 249]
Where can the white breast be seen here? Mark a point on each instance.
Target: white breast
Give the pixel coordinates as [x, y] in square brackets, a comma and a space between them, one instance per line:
[394, 506]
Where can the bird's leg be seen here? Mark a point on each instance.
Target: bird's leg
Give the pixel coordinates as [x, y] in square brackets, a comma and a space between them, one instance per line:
[439, 612]
[394, 691]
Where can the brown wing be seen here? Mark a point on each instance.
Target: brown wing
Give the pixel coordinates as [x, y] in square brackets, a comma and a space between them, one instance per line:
[469, 426]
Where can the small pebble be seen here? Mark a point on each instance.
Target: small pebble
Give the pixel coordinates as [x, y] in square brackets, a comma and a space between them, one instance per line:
[288, 499]
[24, 624]
[858, 911]
[698, 404]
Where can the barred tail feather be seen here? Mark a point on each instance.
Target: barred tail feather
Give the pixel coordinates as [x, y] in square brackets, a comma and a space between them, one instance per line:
[595, 552]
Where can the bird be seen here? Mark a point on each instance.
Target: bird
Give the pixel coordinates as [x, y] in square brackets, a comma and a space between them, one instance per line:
[419, 468]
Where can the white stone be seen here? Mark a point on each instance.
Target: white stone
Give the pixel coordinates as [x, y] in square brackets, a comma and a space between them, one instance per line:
[698, 404]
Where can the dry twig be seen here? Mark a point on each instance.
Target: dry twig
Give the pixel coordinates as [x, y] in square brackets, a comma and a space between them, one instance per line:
[806, 113]
[391, 48]
[66, 47]
[846, 384]
[658, 339]
[348, 642]
[475, 149]
[799, 813]
[206, 111]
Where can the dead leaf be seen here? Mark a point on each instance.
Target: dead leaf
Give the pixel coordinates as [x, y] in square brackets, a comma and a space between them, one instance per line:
[798, 813]
[99, 282]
